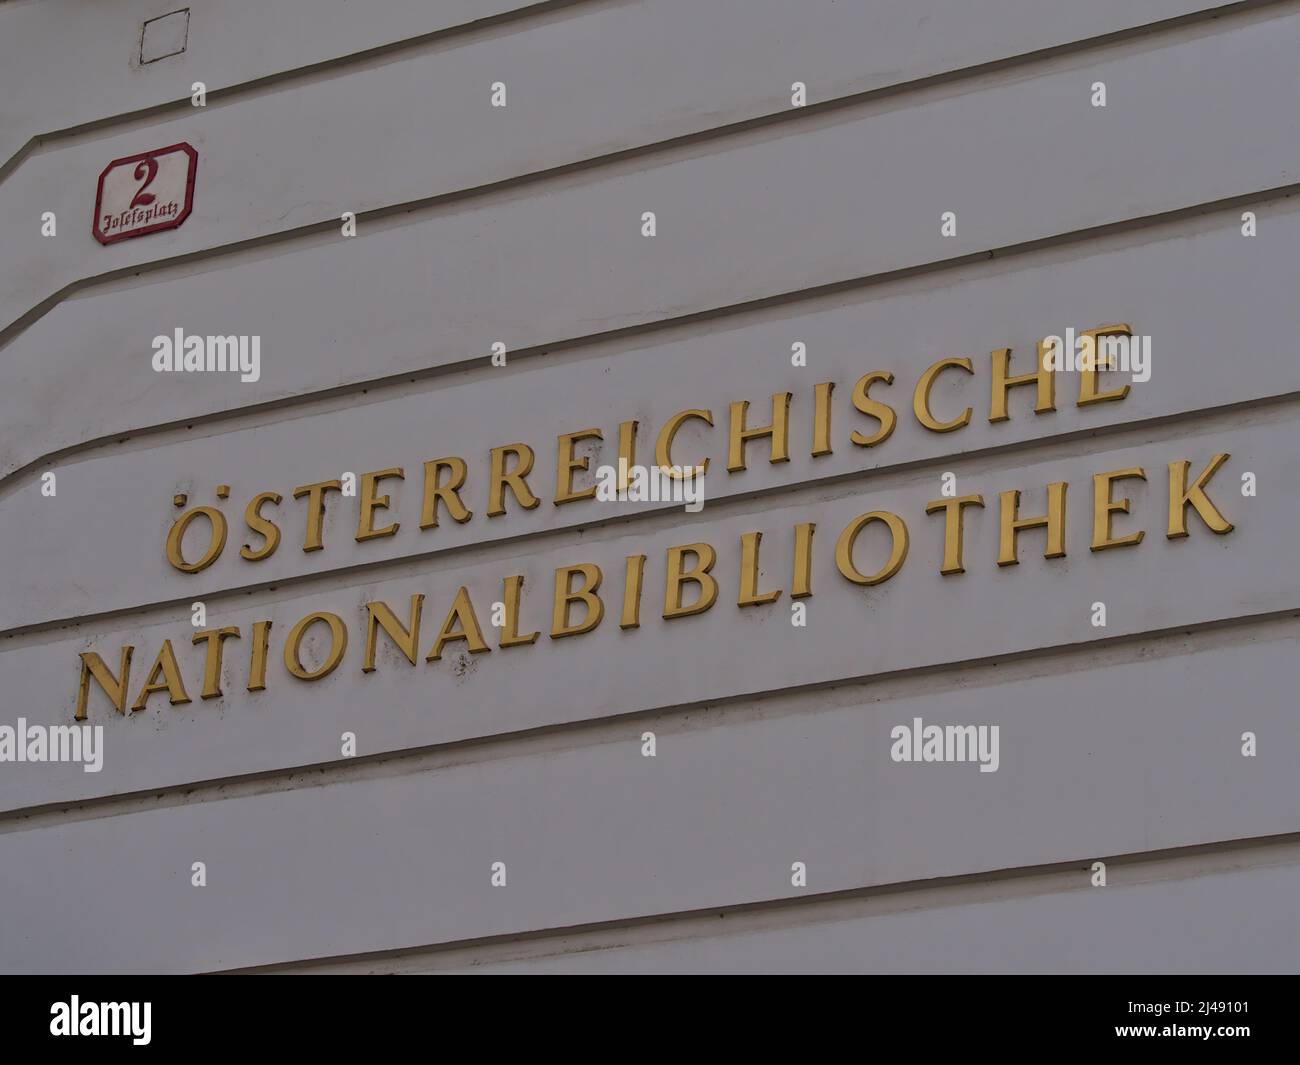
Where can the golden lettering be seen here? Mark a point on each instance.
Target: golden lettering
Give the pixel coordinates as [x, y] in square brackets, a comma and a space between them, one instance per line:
[953, 529]
[921, 397]
[741, 434]
[315, 510]
[626, 452]
[633, 574]
[369, 503]
[257, 658]
[215, 639]
[849, 537]
[164, 666]
[882, 412]
[1044, 379]
[749, 593]
[266, 528]
[663, 446]
[1012, 524]
[705, 557]
[1103, 507]
[406, 638]
[801, 583]
[510, 630]
[567, 463]
[566, 596]
[1088, 393]
[338, 645]
[216, 541]
[822, 418]
[461, 624]
[503, 478]
[1180, 497]
[448, 494]
[114, 687]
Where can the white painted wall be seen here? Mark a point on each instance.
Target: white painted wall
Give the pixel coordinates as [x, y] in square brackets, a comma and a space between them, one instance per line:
[775, 225]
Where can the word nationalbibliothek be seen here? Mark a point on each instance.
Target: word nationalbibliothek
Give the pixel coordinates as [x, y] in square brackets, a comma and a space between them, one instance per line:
[690, 572]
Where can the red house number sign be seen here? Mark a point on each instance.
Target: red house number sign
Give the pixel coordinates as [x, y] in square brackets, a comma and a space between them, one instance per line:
[145, 193]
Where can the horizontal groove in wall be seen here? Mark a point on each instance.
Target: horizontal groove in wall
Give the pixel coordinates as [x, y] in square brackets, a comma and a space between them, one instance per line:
[1138, 228]
[802, 699]
[1129, 740]
[1008, 70]
[540, 13]
[1148, 867]
[988, 462]
[332, 67]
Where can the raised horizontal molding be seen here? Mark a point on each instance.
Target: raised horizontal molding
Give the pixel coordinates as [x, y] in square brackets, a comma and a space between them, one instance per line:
[1159, 287]
[917, 619]
[54, 48]
[584, 83]
[591, 831]
[565, 259]
[1041, 921]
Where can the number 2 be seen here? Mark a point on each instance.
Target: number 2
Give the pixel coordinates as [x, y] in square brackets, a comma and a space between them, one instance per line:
[147, 169]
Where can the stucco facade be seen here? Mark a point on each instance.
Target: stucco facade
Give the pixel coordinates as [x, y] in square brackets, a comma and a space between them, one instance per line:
[533, 238]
